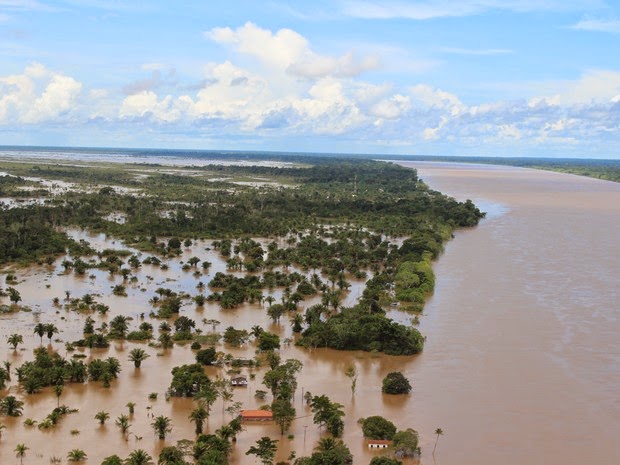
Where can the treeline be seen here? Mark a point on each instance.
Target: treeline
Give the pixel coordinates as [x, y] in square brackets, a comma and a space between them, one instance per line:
[379, 196]
[28, 234]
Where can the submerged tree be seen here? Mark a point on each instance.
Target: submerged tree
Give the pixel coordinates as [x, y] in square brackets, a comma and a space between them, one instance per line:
[162, 426]
[438, 432]
[265, 450]
[137, 356]
[14, 340]
[20, 452]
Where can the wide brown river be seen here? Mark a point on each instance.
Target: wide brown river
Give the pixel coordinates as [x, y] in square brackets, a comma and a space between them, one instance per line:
[522, 361]
[521, 365]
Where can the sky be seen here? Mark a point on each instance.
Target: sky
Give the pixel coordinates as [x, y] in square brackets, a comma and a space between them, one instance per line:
[434, 77]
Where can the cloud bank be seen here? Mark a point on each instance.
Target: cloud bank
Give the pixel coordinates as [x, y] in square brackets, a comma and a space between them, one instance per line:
[278, 86]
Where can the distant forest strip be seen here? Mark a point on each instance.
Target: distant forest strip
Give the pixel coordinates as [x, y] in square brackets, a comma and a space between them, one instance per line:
[608, 170]
[382, 197]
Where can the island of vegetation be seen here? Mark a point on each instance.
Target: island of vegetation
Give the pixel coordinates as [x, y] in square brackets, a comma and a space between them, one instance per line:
[293, 238]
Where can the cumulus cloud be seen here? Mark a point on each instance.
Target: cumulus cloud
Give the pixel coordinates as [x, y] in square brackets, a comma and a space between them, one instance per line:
[289, 51]
[300, 93]
[37, 95]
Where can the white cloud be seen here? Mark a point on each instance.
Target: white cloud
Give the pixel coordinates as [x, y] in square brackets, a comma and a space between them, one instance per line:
[598, 25]
[289, 51]
[281, 49]
[430, 97]
[37, 95]
[147, 104]
[592, 86]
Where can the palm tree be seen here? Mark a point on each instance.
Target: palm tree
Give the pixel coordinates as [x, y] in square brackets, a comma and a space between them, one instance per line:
[162, 426]
[326, 444]
[438, 432]
[198, 416]
[50, 330]
[76, 455]
[139, 457]
[112, 460]
[14, 294]
[14, 340]
[137, 356]
[123, 423]
[131, 406]
[20, 451]
[102, 417]
[119, 326]
[11, 406]
[7, 368]
[58, 388]
[225, 432]
[39, 330]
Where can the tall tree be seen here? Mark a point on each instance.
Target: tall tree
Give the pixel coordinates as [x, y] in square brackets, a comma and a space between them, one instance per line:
[198, 417]
[438, 432]
[20, 452]
[283, 414]
[351, 373]
[265, 449]
[50, 330]
[39, 330]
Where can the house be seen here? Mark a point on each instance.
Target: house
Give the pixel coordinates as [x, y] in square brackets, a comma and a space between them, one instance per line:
[379, 443]
[239, 381]
[256, 415]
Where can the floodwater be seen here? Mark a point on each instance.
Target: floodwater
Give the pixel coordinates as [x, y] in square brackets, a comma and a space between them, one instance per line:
[323, 371]
[522, 362]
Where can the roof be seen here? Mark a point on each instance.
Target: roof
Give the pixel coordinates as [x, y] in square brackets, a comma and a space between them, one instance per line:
[256, 413]
[380, 441]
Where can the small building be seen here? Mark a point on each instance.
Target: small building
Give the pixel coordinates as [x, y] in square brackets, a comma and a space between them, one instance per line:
[379, 443]
[239, 381]
[256, 415]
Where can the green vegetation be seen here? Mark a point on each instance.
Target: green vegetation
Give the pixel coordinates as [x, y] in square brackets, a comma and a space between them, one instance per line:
[395, 383]
[377, 427]
[324, 227]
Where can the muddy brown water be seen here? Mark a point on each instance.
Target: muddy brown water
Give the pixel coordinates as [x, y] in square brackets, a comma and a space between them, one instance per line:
[522, 362]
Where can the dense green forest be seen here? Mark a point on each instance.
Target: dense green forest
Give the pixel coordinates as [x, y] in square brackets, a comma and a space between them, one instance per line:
[337, 217]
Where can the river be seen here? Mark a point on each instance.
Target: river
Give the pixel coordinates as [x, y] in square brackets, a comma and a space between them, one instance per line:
[522, 361]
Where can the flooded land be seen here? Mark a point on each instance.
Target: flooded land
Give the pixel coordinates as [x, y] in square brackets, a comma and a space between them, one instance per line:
[520, 363]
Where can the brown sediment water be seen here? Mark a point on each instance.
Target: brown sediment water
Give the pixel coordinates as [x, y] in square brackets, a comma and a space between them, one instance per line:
[521, 365]
[522, 360]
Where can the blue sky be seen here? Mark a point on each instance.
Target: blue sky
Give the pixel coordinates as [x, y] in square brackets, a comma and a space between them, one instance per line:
[439, 77]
